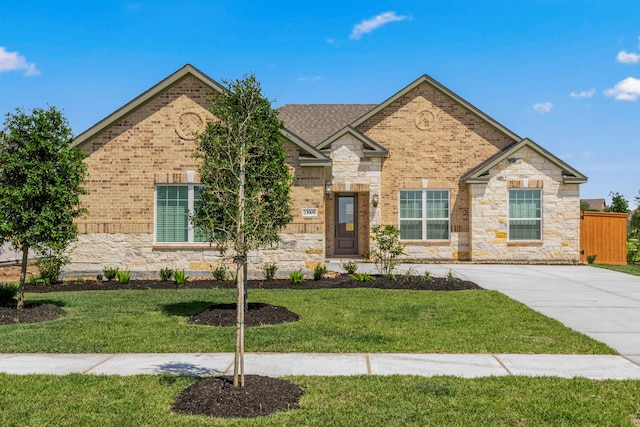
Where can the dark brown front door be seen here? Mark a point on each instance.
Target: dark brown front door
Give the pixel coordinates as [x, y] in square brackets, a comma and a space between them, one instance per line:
[346, 225]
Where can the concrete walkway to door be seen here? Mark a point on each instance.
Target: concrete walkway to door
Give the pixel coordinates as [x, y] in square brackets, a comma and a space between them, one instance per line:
[602, 304]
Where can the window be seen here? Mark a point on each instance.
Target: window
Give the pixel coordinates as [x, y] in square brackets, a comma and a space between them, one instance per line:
[424, 214]
[174, 203]
[525, 215]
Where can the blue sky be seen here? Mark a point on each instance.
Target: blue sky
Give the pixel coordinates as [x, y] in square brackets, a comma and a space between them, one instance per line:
[565, 73]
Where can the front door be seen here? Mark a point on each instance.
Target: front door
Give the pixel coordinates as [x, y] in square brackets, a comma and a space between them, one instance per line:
[346, 225]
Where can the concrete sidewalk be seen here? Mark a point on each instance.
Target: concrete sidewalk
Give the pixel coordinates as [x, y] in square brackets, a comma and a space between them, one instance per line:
[597, 367]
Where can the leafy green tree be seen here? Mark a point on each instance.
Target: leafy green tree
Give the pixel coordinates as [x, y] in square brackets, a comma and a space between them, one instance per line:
[386, 248]
[41, 180]
[618, 203]
[245, 199]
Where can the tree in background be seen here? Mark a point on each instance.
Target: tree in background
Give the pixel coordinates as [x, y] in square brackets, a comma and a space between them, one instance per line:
[618, 203]
[586, 207]
[41, 180]
[244, 201]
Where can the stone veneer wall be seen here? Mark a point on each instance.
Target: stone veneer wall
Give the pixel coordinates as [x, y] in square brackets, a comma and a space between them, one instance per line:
[560, 212]
[432, 141]
[352, 172]
[138, 253]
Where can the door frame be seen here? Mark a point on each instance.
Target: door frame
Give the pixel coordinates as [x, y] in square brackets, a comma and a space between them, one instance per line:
[352, 243]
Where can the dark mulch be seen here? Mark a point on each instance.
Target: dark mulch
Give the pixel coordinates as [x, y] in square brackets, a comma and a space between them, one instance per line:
[258, 314]
[31, 313]
[217, 397]
[341, 281]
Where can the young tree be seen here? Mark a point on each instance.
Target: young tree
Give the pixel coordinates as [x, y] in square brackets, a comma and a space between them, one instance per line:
[618, 203]
[40, 184]
[244, 201]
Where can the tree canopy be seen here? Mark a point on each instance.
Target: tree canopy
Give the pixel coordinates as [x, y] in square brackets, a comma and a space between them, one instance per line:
[41, 180]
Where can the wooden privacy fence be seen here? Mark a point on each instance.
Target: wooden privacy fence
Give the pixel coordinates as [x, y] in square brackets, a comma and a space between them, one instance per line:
[603, 234]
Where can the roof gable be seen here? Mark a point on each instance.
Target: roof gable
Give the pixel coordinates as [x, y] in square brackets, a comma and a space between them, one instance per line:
[438, 86]
[187, 70]
[307, 153]
[480, 174]
[370, 147]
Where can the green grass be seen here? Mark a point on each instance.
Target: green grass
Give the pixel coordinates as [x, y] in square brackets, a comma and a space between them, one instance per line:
[84, 400]
[629, 268]
[337, 320]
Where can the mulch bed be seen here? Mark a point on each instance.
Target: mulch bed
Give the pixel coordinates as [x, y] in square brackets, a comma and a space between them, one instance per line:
[217, 397]
[257, 314]
[31, 313]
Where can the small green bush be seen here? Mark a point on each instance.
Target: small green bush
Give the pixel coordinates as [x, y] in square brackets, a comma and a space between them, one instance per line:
[110, 273]
[166, 274]
[350, 266]
[426, 277]
[124, 277]
[8, 293]
[296, 277]
[591, 259]
[270, 270]
[451, 277]
[50, 267]
[319, 271]
[180, 277]
[219, 273]
[361, 277]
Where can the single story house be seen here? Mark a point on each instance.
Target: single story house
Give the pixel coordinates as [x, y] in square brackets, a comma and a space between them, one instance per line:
[458, 184]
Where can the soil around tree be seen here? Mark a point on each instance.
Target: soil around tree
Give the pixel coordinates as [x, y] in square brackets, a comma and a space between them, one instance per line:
[217, 397]
[31, 313]
[257, 314]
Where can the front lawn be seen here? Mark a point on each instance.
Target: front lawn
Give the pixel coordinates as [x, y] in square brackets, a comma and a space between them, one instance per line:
[88, 400]
[629, 268]
[332, 320]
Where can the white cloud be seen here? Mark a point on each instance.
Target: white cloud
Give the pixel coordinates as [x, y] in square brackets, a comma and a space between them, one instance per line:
[12, 61]
[625, 90]
[331, 41]
[368, 25]
[583, 94]
[543, 107]
[627, 57]
[309, 78]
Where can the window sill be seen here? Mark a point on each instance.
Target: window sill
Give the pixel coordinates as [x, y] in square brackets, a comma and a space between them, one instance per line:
[425, 242]
[173, 246]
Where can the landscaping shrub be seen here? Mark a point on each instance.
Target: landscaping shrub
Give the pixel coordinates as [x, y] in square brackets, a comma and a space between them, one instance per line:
[350, 266]
[124, 276]
[296, 277]
[386, 248]
[219, 273]
[8, 293]
[361, 277]
[591, 259]
[110, 273]
[270, 270]
[319, 271]
[51, 265]
[166, 274]
[180, 277]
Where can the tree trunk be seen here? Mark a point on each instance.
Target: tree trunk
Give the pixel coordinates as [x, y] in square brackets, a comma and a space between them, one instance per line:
[23, 275]
[240, 276]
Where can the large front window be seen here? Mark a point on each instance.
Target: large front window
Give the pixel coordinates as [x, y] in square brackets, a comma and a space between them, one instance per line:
[525, 215]
[174, 204]
[424, 214]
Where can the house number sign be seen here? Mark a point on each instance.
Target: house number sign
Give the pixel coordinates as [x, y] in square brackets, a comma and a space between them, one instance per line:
[309, 212]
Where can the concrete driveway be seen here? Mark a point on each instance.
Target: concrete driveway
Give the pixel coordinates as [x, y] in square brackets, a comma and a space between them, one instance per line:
[602, 304]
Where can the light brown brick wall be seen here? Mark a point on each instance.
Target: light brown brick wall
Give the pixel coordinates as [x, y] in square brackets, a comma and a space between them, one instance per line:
[456, 141]
[130, 156]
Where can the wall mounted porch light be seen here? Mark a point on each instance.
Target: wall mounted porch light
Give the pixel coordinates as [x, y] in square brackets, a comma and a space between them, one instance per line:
[375, 200]
[327, 188]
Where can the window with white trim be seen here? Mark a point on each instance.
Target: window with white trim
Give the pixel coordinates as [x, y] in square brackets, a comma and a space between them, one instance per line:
[525, 214]
[174, 204]
[424, 214]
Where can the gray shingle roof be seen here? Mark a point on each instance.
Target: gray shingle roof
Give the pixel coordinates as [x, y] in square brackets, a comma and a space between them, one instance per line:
[316, 122]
